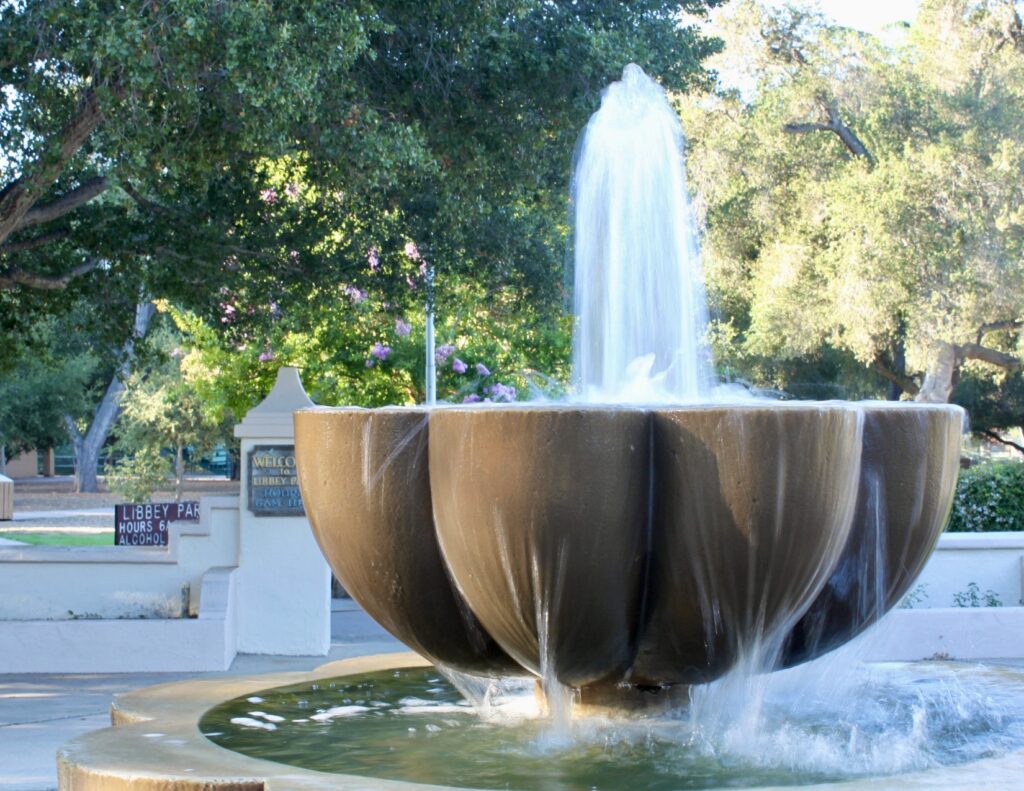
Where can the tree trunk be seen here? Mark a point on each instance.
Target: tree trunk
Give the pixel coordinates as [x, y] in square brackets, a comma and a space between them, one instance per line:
[899, 361]
[87, 447]
[179, 472]
[940, 380]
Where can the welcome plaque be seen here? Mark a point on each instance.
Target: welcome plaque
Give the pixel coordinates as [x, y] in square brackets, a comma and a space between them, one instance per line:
[274, 482]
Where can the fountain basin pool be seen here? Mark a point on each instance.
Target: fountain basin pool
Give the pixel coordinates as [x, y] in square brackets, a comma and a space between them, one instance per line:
[975, 715]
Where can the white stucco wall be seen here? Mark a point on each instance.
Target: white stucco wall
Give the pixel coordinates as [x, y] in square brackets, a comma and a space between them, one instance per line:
[82, 583]
[994, 561]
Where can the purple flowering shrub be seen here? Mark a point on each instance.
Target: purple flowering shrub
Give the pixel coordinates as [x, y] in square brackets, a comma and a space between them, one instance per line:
[362, 341]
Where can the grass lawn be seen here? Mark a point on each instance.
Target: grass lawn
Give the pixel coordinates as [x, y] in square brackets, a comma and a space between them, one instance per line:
[56, 539]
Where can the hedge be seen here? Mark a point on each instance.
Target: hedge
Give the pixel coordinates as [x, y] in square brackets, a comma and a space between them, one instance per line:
[989, 497]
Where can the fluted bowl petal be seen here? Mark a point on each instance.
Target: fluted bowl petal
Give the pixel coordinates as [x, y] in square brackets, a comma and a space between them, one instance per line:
[753, 505]
[542, 516]
[365, 483]
[908, 475]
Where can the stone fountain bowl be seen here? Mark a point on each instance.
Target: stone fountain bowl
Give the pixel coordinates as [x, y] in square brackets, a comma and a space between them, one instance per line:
[610, 545]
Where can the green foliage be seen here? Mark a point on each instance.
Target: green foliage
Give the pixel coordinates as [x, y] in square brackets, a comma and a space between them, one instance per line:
[863, 198]
[355, 348]
[58, 376]
[161, 410]
[989, 497]
[137, 476]
[973, 597]
[915, 596]
[264, 147]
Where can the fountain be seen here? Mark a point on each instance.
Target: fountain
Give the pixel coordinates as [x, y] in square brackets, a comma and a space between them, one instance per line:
[644, 535]
[655, 553]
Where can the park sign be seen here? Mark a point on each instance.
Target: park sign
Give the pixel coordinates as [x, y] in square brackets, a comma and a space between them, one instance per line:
[145, 524]
[274, 481]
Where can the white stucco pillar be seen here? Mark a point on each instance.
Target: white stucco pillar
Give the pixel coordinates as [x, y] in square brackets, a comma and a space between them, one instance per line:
[284, 583]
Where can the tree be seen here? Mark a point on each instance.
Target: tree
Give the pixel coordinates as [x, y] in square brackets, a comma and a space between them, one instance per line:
[162, 409]
[38, 394]
[864, 197]
[231, 154]
[156, 141]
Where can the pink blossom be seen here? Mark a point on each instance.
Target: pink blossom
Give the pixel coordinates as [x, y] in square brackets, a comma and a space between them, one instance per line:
[442, 353]
[293, 256]
[373, 259]
[356, 295]
[500, 392]
[402, 328]
[269, 196]
[412, 252]
[380, 351]
[482, 370]
[292, 190]
[472, 398]
[410, 281]
[423, 269]
[267, 356]
[458, 366]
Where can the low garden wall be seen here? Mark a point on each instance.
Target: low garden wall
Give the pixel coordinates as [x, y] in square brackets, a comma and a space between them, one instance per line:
[118, 582]
[125, 609]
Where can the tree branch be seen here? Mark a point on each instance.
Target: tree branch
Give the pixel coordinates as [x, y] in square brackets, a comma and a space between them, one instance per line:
[35, 241]
[18, 197]
[67, 202]
[845, 133]
[835, 125]
[905, 383]
[72, 427]
[994, 436]
[146, 203]
[975, 351]
[1014, 32]
[797, 129]
[12, 277]
[998, 326]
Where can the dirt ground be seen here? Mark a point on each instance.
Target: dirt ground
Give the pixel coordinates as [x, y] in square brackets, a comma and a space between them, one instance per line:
[95, 510]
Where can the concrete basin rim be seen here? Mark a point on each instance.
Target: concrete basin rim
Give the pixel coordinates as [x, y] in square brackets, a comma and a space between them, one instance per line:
[744, 407]
[173, 710]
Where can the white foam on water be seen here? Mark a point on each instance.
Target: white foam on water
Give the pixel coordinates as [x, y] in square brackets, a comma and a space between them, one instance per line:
[335, 712]
[249, 722]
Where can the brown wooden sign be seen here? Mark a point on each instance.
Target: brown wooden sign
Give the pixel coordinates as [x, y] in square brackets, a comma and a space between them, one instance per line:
[145, 524]
[274, 481]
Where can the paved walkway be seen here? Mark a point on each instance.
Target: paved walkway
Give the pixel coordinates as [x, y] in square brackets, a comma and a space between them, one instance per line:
[39, 713]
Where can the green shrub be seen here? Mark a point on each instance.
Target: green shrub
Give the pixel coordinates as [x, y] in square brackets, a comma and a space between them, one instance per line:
[989, 497]
[137, 477]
